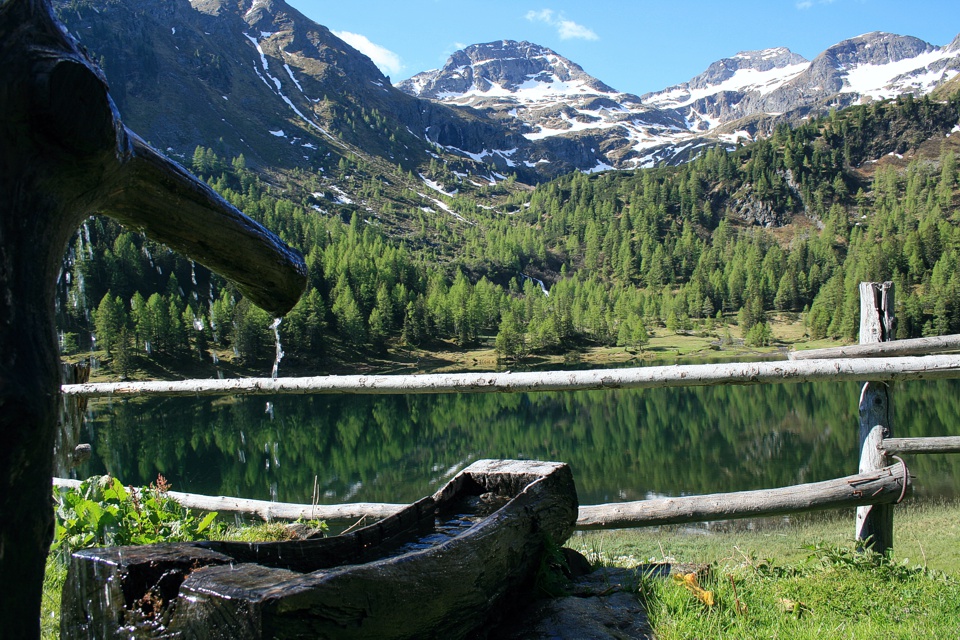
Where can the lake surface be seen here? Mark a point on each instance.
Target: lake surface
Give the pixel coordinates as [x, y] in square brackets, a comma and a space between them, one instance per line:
[621, 444]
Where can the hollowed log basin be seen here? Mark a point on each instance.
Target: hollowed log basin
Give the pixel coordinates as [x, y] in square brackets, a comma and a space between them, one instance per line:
[447, 566]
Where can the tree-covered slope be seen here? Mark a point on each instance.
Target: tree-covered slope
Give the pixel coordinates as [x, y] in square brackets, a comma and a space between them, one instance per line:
[789, 223]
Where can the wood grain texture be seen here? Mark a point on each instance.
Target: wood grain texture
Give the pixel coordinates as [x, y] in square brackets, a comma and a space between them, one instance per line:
[894, 348]
[944, 444]
[694, 375]
[877, 487]
[382, 581]
[65, 155]
[874, 524]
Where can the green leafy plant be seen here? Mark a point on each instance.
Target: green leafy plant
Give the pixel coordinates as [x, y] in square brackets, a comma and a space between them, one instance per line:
[550, 581]
[840, 557]
[102, 512]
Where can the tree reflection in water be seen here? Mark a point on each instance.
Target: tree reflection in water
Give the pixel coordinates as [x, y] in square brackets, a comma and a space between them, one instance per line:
[622, 445]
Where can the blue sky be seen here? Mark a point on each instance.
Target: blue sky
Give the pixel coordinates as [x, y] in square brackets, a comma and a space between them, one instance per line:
[633, 45]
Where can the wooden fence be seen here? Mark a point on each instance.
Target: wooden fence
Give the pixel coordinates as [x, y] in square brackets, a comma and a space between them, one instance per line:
[882, 481]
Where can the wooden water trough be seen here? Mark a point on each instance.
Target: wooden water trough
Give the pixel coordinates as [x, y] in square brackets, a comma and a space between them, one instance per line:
[442, 567]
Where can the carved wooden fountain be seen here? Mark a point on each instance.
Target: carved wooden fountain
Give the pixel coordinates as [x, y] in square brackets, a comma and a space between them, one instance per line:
[65, 155]
[447, 566]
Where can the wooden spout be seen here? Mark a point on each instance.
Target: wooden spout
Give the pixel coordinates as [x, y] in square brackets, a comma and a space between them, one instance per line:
[65, 155]
[156, 195]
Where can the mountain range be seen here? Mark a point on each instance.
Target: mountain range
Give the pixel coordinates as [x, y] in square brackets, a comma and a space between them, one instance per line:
[542, 95]
[429, 211]
[257, 77]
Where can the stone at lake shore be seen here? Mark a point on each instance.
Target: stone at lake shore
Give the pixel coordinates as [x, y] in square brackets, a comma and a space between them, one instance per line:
[597, 605]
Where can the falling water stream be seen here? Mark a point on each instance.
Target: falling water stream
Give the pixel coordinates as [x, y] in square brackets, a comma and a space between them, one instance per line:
[276, 334]
[540, 283]
[275, 325]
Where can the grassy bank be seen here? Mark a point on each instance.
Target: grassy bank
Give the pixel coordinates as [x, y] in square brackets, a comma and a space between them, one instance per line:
[798, 578]
[716, 341]
[719, 342]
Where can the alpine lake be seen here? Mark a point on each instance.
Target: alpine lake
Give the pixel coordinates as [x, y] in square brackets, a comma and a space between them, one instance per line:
[621, 444]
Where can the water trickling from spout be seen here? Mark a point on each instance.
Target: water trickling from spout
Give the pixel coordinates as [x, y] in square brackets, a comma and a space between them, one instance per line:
[276, 334]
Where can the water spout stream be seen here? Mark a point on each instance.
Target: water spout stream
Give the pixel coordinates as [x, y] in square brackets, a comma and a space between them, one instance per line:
[276, 334]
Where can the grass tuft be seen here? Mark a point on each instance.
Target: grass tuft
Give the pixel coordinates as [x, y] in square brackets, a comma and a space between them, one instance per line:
[797, 578]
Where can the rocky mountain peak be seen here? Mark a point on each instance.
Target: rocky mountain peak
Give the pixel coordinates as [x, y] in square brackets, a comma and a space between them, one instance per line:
[762, 60]
[876, 48]
[765, 57]
[954, 47]
[257, 77]
[502, 66]
[874, 65]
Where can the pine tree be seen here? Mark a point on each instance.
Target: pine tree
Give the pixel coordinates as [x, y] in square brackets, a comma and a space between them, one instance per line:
[123, 352]
[379, 329]
[109, 318]
[303, 327]
[350, 321]
[510, 338]
[251, 336]
[414, 323]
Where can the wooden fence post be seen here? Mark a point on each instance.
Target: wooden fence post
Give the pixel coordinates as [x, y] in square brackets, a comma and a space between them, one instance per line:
[875, 522]
[67, 450]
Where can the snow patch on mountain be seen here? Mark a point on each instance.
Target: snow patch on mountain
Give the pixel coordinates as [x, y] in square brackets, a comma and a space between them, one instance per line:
[436, 186]
[922, 74]
[536, 88]
[276, 81]
[505, 154]
[571, 125]
[443, 206]
[292, 77]
[743, 80]
[735, 137]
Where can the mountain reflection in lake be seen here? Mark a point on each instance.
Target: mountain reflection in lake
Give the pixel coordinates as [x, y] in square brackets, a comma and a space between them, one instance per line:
[622, 445]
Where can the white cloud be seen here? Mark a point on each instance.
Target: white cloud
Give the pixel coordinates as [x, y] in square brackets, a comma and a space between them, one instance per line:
[808, 4]
[544, 15]
[566, 29]
[387, 61]
[570, 29]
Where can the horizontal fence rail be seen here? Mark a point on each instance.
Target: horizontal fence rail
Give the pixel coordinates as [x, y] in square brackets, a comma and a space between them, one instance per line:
[882, 486]
[944, 444]
[267, 510]
[910, 347]
[781, 371]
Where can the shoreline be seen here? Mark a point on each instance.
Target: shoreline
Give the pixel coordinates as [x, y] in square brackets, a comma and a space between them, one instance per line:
[710, 345]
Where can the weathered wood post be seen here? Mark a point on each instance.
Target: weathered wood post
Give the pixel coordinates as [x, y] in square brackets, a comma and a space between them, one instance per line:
[875, 522]
[66, 454]
[65, 155]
